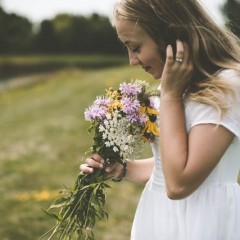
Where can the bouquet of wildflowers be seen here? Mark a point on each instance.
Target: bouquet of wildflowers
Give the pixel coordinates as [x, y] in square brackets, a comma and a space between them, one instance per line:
[121, 120]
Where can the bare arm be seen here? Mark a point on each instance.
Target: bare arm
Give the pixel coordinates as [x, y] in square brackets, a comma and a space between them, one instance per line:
[187, 159]
[139, 171]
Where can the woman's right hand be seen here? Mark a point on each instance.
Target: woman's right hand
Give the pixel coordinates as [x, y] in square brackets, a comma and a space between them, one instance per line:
[178, 70]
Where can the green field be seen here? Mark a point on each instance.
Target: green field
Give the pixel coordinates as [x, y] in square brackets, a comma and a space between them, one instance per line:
[43, 138]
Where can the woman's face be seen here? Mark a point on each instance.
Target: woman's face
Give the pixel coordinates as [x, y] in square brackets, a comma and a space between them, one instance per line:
[142, 49]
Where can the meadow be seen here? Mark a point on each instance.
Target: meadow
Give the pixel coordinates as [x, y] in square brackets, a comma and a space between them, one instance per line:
[43, 139]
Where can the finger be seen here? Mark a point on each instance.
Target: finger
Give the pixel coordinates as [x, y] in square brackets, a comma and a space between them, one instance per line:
[186, 53]
[110, 167]
[86, 168]
[169, 55]
[180, 53]
[97, 158]
[93, 163]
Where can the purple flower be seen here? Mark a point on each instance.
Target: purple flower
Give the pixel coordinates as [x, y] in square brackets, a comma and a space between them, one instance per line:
[102, 101]
[136, 118]
[130, 88]
[151, 105]
[130, 105]
[95, 112]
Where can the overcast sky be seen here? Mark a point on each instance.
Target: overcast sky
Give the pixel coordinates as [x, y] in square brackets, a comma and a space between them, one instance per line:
[38, 10]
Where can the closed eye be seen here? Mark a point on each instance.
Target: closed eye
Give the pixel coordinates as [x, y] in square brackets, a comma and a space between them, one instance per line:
[136, 49]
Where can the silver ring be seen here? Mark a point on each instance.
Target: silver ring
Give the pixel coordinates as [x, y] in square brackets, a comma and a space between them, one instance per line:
[180, 60]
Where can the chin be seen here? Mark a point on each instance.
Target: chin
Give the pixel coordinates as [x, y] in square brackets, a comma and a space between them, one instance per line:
[156, 76]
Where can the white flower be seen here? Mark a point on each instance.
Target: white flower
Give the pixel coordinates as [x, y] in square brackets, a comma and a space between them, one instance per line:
[108, 116]
[101, 128]
[115, 149]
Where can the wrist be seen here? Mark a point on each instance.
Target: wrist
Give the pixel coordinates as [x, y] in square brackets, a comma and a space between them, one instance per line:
[173, 94]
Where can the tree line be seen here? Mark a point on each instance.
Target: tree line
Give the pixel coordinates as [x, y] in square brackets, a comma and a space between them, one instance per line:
[75, 34]
[63, 34]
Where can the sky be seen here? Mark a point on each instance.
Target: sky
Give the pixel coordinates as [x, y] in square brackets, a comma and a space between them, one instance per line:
[38, 10]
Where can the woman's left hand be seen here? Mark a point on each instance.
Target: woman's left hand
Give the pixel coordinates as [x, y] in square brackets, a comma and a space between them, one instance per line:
[177, 70]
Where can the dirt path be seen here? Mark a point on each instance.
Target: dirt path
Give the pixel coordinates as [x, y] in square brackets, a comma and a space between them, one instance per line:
[22, 81]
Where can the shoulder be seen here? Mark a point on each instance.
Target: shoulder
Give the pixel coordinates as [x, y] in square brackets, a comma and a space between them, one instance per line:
[199, 113]
[229, 73]
[231, 76]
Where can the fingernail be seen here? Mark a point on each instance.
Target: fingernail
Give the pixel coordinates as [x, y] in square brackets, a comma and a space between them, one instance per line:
[101, 165]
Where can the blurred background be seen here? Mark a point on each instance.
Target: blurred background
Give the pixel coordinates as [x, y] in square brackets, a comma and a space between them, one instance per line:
[55, 57]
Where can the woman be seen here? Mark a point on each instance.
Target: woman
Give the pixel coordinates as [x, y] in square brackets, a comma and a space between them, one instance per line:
[191, 190]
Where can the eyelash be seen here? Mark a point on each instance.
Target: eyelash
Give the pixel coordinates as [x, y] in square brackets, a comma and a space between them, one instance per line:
[136, 49]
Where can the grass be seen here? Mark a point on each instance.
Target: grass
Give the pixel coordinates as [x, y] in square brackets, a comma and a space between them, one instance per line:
[43, 138]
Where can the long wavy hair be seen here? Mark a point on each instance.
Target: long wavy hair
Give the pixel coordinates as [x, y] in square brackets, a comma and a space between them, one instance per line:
[212, 47]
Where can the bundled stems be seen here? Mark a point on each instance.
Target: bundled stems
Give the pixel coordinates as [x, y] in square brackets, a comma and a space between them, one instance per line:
[80, 208]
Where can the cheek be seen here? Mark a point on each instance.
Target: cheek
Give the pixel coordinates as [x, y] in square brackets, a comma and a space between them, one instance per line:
[159, 64]
[158, 67]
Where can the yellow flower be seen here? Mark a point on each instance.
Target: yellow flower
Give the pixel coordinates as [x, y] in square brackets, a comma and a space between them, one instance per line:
[148, 110]
[115, 105]
[150, 129]
[112, 94]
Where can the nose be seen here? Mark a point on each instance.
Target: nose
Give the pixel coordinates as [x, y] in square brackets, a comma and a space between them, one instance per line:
[133, 59]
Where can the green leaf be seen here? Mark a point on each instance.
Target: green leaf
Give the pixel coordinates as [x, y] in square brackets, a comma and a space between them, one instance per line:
[53, 215]
[58, 203]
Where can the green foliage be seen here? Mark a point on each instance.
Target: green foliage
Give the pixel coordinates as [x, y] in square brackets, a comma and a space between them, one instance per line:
[15, 33]
[80, 208]
[231, 10]
[63, 34]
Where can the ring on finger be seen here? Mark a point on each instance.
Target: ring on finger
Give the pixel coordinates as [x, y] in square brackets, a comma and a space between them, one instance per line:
[180, 60]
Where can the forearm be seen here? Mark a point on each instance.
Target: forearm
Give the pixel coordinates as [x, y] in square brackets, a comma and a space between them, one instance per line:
[173, 139]
[139, 171]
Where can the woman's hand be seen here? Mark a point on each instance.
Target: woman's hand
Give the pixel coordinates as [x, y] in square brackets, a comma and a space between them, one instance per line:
[97, 162]
[177, 70]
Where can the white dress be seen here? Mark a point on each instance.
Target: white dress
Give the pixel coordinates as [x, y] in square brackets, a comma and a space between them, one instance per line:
[212, 212]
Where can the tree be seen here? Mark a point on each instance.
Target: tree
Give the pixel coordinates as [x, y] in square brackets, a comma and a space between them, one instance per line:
[46, 39]
[64, 34]
[79, 34]
[15, 33]
[231, 9]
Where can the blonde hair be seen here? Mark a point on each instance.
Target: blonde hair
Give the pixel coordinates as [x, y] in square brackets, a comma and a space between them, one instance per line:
[212, 47]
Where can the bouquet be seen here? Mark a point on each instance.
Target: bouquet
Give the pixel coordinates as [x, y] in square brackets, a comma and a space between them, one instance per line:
[121, 120]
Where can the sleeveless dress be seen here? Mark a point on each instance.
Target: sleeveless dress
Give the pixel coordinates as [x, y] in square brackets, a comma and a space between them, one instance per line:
[212, 212]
